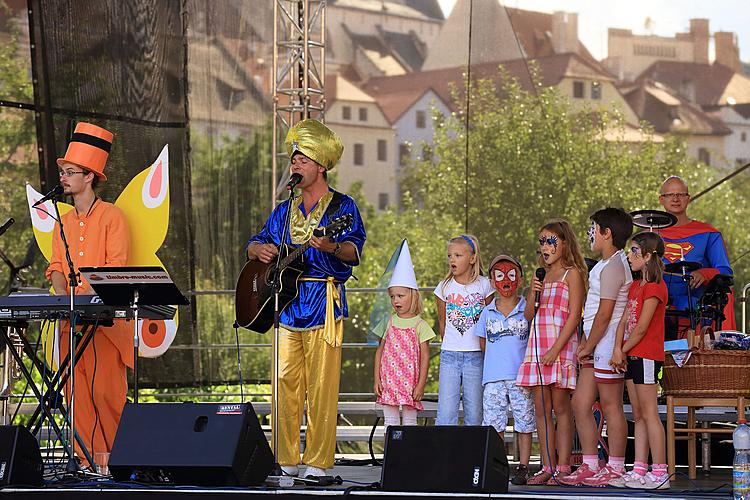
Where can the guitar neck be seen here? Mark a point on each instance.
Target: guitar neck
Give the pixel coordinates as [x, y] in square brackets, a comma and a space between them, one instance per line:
[294, 255]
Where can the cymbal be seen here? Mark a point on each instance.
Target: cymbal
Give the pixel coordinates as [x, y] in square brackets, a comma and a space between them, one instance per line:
[677, 267]
[653, 219]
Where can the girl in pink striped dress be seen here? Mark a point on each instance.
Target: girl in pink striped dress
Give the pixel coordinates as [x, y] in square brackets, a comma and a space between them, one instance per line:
[403, 355]
[549, 367]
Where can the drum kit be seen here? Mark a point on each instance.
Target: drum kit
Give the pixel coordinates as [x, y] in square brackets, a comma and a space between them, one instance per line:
[715, 296]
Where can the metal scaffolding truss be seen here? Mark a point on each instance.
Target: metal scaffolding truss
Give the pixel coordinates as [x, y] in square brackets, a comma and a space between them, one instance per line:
[299, 74]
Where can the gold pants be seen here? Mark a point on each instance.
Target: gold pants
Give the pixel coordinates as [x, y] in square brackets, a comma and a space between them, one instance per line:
[309, 370]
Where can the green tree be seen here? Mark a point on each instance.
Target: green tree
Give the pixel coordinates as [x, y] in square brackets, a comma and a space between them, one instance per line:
[532, 157]
[18, 160]
[529, 157]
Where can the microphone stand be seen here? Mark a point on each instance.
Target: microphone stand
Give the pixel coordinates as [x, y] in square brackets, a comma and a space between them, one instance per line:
[72, 465]
[277, 471]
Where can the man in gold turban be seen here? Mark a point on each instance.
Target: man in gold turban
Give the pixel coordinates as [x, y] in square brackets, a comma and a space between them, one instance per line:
[312, 328]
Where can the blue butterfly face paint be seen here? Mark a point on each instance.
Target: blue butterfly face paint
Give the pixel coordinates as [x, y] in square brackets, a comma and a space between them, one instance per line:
[550, 240]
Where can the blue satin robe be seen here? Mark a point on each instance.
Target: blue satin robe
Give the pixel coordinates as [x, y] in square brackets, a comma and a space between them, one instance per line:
[308, 310]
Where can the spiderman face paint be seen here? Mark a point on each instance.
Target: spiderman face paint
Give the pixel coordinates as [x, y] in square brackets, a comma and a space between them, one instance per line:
[505, 277]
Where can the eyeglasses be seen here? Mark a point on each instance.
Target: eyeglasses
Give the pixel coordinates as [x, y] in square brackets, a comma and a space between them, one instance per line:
[71, 173]
[675, 196]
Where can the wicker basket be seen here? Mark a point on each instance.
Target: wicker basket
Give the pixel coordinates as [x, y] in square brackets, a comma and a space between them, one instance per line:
[708, 374]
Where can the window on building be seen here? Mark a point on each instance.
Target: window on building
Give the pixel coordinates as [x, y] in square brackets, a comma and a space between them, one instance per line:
[596, 90]
[578, 90]
[359, 154]
[426, 152]
[404, 154]
[382, 151]
[421, 119]
[382, 201]
[704, 156]
[743, 136]
[346, 112]
[363, 114]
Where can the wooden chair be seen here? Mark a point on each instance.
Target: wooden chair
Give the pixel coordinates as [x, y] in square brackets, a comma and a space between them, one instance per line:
[691, 430]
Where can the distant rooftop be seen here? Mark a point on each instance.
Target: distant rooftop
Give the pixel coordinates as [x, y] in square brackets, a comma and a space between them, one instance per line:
[422, 9]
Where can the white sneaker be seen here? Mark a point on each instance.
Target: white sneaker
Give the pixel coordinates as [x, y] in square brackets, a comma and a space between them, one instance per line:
[619, 482]
[290, 470]
[649, 482]
[314, 471]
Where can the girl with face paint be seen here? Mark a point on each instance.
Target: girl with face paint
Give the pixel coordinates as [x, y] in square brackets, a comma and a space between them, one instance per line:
[549, 366]
[639, 352]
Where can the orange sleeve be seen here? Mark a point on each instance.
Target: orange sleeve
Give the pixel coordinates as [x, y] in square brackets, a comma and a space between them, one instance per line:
[118, 239]
[58, 254]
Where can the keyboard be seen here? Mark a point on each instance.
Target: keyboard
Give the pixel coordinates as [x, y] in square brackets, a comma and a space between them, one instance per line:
[90, 308]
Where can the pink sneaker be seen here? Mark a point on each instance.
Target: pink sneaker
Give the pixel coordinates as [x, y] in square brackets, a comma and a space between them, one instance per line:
[576, 478]
[619, 482]
[603, 477]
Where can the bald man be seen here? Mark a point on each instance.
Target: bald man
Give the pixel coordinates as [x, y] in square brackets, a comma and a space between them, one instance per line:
[694, 241]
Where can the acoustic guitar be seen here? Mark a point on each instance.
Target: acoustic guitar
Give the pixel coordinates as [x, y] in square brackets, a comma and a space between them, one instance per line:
[254, 294]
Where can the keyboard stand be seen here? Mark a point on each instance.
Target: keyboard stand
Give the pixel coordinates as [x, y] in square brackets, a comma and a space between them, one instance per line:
[51, 384]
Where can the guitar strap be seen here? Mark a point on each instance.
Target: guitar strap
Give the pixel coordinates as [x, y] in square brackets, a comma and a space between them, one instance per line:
[333, 206]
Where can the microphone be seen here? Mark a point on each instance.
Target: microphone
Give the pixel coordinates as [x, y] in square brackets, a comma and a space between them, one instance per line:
[7, 224]
[293, 181]
[540, 274]
[56, 191]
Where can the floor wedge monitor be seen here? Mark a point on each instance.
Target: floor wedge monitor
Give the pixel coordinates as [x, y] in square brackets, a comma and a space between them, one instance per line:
[201, 444]
[444, 459]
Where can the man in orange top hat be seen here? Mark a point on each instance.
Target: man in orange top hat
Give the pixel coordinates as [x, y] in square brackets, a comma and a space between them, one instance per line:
[98, 235]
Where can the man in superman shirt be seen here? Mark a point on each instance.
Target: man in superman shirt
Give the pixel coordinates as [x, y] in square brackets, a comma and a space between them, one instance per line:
[694, 241]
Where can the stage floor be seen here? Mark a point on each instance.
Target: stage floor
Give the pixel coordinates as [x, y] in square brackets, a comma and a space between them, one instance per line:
[716, 485]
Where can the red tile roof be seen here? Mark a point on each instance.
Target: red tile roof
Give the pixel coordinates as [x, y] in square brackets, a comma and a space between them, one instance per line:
[708, 81]
[680, 118]
[395, 94]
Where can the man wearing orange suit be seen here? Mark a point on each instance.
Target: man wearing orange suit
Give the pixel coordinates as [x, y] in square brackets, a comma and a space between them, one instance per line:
[98, 235]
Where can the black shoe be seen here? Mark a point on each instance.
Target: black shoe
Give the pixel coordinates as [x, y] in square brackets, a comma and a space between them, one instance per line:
[520, 475]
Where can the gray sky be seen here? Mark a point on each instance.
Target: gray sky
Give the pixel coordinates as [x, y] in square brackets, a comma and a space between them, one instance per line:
[667, 17]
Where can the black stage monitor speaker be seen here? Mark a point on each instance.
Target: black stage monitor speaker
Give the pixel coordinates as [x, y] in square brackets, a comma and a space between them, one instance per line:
[201, 444]
[444, 459]
[20, 458]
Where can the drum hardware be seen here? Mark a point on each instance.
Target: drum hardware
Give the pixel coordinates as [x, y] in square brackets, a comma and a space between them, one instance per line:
[10, 373]
[653, 219]
[684, 268]
[716, 297]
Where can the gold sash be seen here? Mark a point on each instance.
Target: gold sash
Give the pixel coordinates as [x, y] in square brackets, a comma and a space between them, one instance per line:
[333, 295]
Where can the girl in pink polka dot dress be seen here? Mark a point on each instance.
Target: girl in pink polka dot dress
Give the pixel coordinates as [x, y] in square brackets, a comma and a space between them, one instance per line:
[402, 357]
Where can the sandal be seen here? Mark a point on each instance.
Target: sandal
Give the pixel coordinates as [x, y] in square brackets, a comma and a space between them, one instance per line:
[540, 478]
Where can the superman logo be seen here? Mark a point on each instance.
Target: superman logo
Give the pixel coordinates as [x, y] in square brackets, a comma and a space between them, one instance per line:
[674, 251]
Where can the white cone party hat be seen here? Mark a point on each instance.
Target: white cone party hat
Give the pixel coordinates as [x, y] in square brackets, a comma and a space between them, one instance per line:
[403, 273]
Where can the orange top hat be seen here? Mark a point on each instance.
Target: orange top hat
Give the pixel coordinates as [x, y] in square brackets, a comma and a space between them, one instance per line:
[89, 148]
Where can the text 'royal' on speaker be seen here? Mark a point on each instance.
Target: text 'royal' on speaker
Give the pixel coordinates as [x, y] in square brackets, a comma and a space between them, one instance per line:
[201, 444]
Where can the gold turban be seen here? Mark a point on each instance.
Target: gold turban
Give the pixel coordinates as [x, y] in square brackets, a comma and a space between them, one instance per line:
[316, 141]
